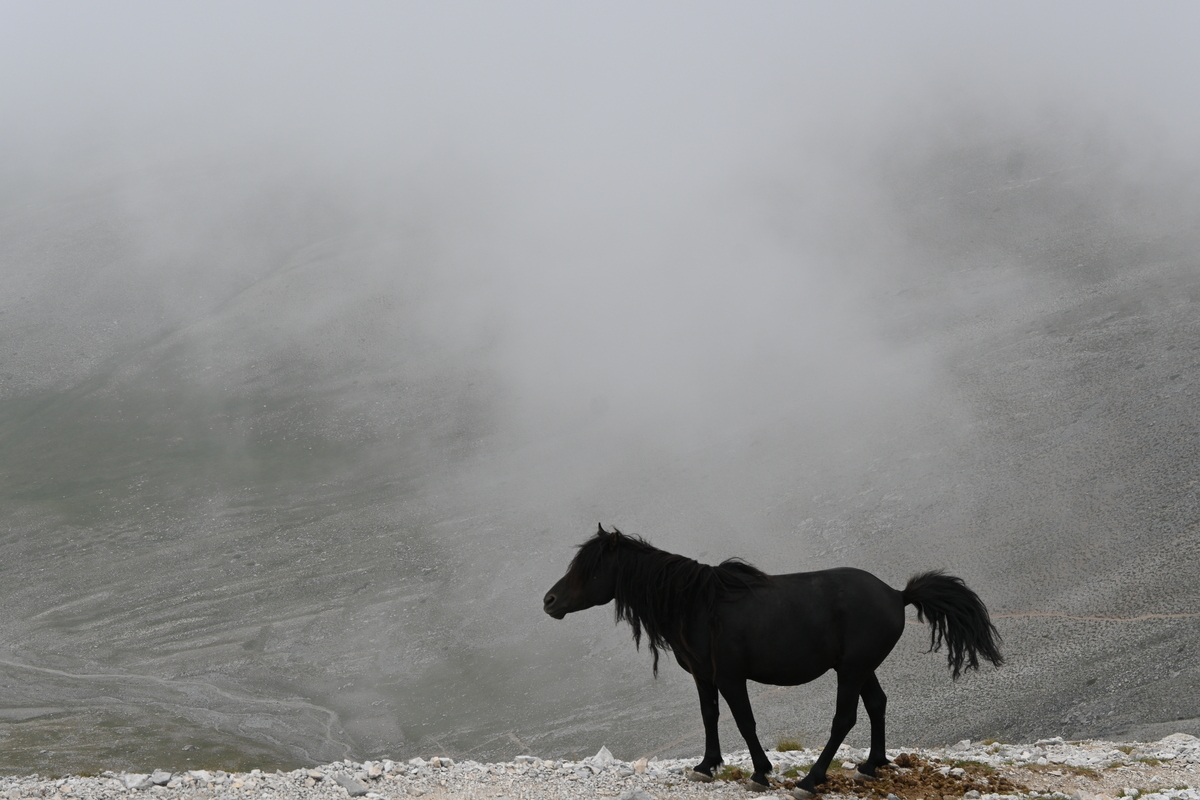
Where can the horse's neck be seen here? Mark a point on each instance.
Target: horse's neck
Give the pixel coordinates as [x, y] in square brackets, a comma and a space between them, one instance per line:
[654, 613]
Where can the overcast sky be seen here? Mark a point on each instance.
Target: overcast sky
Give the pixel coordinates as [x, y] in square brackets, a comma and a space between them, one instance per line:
[610, 169]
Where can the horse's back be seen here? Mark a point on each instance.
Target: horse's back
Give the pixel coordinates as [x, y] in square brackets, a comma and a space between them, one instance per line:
[846, 596]
[805, 623]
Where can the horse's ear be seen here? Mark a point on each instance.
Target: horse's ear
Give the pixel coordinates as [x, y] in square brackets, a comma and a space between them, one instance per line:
[610, 537]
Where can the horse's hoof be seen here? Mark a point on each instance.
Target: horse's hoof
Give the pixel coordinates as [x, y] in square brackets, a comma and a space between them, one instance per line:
[802, 794]
[699, 777]
[861, 776]
[755, 786]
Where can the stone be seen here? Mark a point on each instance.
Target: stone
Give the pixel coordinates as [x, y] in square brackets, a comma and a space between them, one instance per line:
[639, 766]
[603, 757]
[160, 777]
[315, 774]
[351, 785]
[636, 794]
[1180, 738]
[136, 780]
[375, 771]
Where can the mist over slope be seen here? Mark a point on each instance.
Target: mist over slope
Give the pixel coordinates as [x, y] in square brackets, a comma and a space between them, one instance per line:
[316, 368]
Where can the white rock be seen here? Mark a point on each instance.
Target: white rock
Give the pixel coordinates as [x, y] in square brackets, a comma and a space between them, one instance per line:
[353, 786]
[1180, 739]
[636, 794]
[160, 777]
[136, 780]
[602, 757]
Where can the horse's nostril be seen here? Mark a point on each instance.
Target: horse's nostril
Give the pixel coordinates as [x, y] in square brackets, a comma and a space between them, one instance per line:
[549, 600]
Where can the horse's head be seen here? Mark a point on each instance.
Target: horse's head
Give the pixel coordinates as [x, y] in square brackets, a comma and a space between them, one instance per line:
[591, 580]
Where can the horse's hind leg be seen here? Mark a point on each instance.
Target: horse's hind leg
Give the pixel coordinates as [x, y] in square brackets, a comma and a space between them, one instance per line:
[843, 720]
[739, 705]
[875, 702]
[709, 711]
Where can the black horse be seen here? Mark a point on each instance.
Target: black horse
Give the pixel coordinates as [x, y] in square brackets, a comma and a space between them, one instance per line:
[732, 623]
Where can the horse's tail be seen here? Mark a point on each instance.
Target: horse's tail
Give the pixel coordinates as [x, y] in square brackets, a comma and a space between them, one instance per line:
[956, 616]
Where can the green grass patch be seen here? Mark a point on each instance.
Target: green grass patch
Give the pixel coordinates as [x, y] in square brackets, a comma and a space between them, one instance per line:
[728, 773]
[786, 745]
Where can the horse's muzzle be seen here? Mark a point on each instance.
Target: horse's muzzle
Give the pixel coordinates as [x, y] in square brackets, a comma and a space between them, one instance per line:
[548, 605]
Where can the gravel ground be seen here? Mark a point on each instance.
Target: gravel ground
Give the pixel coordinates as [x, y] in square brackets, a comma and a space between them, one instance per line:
[1168, 769]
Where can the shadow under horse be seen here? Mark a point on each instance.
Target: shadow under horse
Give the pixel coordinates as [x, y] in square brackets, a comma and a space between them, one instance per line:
[730, 623]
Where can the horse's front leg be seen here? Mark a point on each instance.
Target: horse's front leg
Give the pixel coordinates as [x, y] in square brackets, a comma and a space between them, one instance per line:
[739, 706]
[709, 711]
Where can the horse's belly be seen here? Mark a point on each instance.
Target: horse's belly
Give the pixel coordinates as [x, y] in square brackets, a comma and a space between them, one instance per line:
[791, 675]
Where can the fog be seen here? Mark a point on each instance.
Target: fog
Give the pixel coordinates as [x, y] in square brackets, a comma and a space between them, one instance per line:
[328, 332]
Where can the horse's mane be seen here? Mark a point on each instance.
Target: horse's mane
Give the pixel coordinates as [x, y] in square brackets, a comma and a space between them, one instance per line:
[658, 592]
